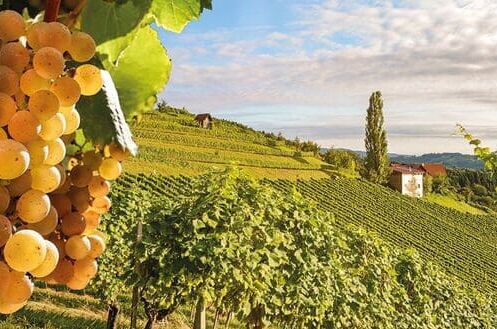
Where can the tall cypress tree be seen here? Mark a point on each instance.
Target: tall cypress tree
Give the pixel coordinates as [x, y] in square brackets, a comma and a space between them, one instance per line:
[376, 164]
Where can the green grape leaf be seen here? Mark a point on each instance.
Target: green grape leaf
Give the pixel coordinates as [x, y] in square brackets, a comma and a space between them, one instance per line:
[102, 119]
[113, 24]
[141, 72]
[174, 15]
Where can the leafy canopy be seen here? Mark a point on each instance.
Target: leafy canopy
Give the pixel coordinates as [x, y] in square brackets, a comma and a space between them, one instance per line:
[274, 258]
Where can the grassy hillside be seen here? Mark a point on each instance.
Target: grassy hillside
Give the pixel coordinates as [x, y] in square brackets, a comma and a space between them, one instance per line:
[464, 244]
[172, 143]
[51, 309]
[450, 202]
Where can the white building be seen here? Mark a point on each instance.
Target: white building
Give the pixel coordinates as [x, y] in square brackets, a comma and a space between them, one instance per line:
[407, 180]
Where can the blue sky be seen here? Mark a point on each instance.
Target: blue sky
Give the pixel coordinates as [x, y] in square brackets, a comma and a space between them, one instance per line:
[307, 68]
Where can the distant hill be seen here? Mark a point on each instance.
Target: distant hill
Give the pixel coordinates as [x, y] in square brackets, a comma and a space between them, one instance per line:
[450, 160]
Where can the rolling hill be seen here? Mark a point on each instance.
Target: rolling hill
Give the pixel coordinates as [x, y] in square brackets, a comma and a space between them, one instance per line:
[464, 244]
[172, 143]
[450, 160]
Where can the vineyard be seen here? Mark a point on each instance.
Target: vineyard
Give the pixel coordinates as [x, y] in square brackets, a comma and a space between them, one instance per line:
[211, 224]
[173, 144]
[464, 245]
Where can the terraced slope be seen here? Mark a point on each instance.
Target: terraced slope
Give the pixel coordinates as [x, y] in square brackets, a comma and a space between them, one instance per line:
[464, 244]
[172, 144]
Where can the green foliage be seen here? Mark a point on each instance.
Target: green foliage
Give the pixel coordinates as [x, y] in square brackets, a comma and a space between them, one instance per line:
[121, 20]
[174, 15]
[427, 184]
[440, 184]
[130, 205]
[343, 159]
[275, 258]
[480, 190]
[139, 80]
[463, 244]
[476, 186]
[460, 178]
[376, 163]
[130, 50]
[215, 244]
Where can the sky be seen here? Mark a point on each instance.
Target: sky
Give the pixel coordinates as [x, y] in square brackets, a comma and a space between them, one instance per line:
[306, 68]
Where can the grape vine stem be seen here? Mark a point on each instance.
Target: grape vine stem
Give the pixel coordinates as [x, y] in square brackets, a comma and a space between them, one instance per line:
[73, 16]
[52, 10]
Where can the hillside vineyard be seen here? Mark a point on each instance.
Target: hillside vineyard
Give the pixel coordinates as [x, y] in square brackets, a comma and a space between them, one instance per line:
[464, 245]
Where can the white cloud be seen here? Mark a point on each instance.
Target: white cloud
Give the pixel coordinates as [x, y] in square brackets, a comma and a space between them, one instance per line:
[435, 62]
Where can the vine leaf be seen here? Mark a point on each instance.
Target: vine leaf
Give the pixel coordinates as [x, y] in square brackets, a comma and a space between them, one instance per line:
[141, 72]
[174, 15]
[102, 119]
[113, 24]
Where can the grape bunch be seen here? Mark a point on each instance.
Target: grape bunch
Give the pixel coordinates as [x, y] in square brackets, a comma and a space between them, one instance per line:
[50, 203]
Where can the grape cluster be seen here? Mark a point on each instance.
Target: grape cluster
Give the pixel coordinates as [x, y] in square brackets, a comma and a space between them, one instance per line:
[50, 203]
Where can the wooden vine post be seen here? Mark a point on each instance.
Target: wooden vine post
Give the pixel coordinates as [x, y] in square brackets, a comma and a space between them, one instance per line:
[200, 322]
[136, 292]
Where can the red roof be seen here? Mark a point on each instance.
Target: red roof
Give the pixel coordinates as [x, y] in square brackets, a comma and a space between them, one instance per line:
[405, 169]
[434, 169]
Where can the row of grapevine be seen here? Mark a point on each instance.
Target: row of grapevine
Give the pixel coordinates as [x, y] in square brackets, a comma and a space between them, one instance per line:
[186, 123]
[184, 138]
[170, 153]
[267, 255]
[464, 245]
[222, 130]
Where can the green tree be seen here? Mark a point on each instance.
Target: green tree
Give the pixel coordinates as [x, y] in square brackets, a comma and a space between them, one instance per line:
[342, 159]
[427, 184]
[440, 184]
[480, 190]
[376, 163]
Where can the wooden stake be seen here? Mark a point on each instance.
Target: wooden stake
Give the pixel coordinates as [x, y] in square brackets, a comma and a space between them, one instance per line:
[216, 319]
[199, 322]
[228, 320]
